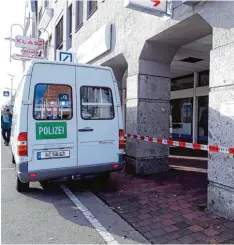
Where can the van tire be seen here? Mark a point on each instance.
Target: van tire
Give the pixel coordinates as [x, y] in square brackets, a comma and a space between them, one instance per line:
[45, 184]
[20, 186]
[13, 159]
[104, 177]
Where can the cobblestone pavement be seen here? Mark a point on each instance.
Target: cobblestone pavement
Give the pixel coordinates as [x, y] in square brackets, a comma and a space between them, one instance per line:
[168, 208]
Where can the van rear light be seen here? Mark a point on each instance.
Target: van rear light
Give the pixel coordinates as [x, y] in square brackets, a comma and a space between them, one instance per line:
[33, 175]
[121, 139]
[22, 144]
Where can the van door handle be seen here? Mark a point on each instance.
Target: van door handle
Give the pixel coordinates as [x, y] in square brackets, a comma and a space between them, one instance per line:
[85, 130]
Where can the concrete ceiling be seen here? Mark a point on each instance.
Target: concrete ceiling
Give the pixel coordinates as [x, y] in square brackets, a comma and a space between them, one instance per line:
[197, 49]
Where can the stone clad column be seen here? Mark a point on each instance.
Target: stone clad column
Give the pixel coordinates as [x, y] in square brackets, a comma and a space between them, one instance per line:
[221, 129]
[147, 114]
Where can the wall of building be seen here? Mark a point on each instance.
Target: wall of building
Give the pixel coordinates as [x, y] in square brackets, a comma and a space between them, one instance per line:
[142, 48]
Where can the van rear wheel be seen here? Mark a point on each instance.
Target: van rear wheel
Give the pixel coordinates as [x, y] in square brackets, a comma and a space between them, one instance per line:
[20, 186]
[104, 177]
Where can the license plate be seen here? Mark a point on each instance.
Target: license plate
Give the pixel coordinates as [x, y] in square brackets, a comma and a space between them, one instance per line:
[52, 154]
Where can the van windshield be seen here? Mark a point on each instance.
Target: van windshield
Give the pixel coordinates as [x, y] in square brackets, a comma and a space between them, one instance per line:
[96, 103]
[52, 102]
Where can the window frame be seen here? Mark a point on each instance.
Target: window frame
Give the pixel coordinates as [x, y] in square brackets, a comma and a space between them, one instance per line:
[40, 13]
[59, 45]
[46, 4]
[90, 11]
[207, 72]
[70, 19]
[34, 98]
[46, 49]
[182, 136]
[79, 5]
[112, 100]
[181, 78]
[201, 139]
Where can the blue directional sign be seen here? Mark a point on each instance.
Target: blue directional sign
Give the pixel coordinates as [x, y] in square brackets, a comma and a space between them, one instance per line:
[65, 56]
[63, 100]
[6, 93]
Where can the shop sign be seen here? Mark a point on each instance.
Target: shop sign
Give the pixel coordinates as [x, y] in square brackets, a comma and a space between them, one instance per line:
[98, 44]
[157, 7]
[32, 52]
[29, 42]
[26, 57]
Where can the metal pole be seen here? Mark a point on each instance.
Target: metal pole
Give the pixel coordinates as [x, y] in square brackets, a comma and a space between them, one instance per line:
[195, 108]
[11, 88]
[11, 36]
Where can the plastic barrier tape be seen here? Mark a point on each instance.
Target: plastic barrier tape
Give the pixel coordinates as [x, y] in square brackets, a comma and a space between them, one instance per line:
[174, 143]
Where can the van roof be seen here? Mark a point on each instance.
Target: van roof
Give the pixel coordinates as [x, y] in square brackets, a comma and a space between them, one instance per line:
[33, 62]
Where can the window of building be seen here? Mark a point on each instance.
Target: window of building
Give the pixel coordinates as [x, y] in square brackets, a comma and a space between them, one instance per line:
[96, 103]
[181, 83]
[79, 14]
[69, 36]
[59, 34]
[70, 19]
[35, 5]
[181, 118]
[204, 78]
[46, 49]
[46, 3]
[91, 8]
[50, 49]
[40, 15]
[52, 102]
[203, 110]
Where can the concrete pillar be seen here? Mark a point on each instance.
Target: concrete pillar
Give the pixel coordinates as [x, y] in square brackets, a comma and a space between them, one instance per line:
[221, 128]
[148, 110]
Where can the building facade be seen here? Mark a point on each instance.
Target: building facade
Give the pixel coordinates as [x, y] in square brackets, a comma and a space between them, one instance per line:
[175, 75]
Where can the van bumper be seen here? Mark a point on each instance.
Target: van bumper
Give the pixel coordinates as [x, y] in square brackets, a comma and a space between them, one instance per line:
[51, 174]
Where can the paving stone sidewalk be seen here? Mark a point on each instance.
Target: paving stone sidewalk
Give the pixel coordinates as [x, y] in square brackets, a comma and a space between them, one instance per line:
[168, 208]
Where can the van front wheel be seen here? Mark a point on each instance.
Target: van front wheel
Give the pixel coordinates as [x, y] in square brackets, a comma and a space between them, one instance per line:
[13, 159]
[20, 186]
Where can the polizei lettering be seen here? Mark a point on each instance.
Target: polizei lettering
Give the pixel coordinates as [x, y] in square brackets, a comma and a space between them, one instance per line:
[51, 130]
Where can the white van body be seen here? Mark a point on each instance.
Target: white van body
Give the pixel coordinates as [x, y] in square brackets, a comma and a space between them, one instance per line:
[66, 122]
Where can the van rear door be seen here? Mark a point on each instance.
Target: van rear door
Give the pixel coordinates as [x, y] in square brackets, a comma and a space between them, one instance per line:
[52, 118]
[98, 129]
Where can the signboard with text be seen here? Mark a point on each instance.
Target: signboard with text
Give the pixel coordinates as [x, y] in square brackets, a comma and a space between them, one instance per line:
[64, 56]
[63, 100]
[29, 42]
[157, 7]
[51, 130]
[6, 93]
[96, 45]
[26, 57]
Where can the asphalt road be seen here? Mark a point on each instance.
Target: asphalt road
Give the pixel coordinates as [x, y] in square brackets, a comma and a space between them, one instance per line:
[58, 214]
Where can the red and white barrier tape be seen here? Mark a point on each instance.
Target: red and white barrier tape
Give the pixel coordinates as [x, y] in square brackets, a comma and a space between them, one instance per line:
[209, 148]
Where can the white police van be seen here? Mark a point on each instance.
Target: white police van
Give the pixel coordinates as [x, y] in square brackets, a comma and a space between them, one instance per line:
[67, 122]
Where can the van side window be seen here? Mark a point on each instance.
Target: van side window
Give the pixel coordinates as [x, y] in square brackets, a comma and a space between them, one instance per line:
[52, 102]
[96, 103]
